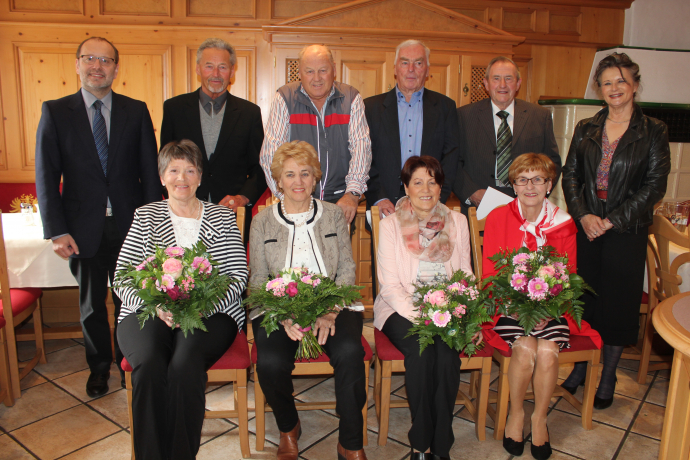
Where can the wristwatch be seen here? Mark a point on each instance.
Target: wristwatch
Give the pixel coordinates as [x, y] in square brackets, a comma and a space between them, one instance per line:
[358, 195]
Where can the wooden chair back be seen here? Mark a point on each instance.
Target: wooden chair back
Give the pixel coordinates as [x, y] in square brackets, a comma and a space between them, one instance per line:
[241, 216]
[476, 240]
[668, 280]
[8, 336]
[375, 223]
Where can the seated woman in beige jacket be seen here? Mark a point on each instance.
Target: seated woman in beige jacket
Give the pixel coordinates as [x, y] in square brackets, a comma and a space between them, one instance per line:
[303, 231]
[421, 240]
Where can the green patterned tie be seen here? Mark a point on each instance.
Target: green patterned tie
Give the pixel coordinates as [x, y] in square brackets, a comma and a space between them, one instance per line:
[504, 141]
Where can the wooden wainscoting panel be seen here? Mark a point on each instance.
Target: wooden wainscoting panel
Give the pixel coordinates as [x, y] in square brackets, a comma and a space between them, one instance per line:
[3, 143]
[286, 9]
[480, 14]
[519, 19]
[47, 6]
[362, 69]
[145, 75]
[602, 25]
[222, 8]
[565, 23]
[45, 73]
[135, 7]
[243, 83]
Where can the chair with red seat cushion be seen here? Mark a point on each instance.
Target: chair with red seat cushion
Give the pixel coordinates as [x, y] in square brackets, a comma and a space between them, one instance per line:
[5, 383]
[231, 367]
[319, 366]
[16, 305]
[582, 348]
[389, 359]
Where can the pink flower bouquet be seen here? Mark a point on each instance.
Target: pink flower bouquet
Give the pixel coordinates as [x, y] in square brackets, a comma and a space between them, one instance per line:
[453, 310]
[535, 285]
[302, 297]
[185, 282]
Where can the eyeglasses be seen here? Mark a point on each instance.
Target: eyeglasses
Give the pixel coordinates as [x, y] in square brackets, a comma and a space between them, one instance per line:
[105, 61]
[536, 180]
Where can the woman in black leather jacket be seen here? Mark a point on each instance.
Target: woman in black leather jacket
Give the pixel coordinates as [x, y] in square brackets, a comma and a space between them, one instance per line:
[616, 171]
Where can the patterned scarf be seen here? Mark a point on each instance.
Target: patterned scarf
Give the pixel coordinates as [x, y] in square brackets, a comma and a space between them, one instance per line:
[431, 239]
[550, 217]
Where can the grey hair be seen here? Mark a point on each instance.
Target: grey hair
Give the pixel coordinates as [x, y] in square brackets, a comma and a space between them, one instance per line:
[219, 44]
[407, 43]
[180, 150]
[326, 49]
[501, 59]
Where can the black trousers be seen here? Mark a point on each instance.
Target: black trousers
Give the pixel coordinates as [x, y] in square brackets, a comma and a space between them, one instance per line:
[92, 275]
[169, 382]
[276, 361]
[432, 380]
[613, 265]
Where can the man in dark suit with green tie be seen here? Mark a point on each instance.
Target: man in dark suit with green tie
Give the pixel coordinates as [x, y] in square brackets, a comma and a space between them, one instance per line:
[495, 131]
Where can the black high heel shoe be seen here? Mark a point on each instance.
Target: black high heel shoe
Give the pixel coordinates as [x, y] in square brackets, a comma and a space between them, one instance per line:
[513, 447]
[420, 456]
[604, 403]
[572, 390]
[544, 451]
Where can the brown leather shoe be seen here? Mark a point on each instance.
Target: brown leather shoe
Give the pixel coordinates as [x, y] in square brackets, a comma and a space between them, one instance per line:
[287, 450]
[344, 454]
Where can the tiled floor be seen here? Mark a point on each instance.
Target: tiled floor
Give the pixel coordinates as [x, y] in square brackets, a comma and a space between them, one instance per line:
[55, 419]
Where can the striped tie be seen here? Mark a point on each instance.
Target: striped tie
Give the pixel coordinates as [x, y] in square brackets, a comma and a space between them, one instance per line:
[504, 141]
[100, 135]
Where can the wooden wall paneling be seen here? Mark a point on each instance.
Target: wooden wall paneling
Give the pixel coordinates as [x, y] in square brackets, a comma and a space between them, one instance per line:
[565, 23]
[281, 56]
[47, 6]
[465, 80]
[138, 7]
[221, 8]
[519, 20]
[45, 73]
[243, 83]
[362, 69]
[3, 145]
[601, 25]
[560, 71]
[145, 75]
[285, 9]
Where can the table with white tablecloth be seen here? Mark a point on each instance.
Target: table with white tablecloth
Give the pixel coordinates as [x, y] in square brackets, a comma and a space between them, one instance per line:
[31, 261]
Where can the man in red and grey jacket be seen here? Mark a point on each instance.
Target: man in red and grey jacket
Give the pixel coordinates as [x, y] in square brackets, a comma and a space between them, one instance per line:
[330, 116]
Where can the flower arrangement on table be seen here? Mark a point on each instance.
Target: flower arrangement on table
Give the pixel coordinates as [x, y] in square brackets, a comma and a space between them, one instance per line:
[302, 297]
[184, 282]
[535, 285]
[453, 310]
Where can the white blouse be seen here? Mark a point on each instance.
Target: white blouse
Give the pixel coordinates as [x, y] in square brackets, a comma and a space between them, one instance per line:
[303, 250]
[186, 228]
[429, 270]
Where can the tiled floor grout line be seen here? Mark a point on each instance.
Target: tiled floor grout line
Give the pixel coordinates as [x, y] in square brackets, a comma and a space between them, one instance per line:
[23, 446]
[90, 444]
[634, 418]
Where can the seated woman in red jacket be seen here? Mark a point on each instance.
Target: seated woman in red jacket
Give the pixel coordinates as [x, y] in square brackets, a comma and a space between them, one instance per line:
[531, 220]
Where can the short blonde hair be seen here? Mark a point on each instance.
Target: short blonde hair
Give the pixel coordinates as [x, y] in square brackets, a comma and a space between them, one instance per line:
[532, 162]
[303, 154]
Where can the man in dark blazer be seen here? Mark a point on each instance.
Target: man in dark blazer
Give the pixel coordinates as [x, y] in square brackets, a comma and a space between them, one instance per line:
[406, 121]
[102, 145]
[228, 130]
[480, 163]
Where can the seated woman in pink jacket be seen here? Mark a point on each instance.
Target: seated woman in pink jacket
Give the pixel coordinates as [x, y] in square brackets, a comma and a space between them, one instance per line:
[421, 240]
[531, 220]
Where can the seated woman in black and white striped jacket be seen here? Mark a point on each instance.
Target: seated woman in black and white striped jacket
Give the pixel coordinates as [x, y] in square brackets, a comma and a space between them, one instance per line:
[169, 370]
